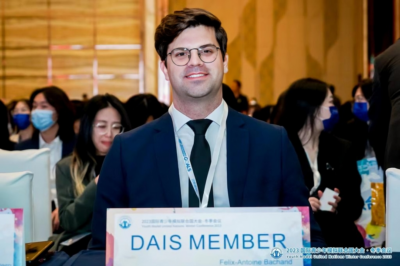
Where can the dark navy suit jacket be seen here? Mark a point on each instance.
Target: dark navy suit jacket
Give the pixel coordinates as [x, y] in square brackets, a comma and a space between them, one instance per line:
[141, 171]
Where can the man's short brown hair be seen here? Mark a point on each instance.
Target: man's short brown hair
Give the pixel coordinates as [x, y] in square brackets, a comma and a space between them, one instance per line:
[173, 24]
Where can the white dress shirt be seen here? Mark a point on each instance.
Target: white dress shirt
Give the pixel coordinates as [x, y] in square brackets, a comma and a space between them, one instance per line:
[316, 174]
[55, 155]
[186, 134]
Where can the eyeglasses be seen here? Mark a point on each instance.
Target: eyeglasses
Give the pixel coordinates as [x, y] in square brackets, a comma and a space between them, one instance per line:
[102, 128]
[181, 56]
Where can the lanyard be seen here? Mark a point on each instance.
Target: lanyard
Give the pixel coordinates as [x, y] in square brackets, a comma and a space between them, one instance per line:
[214, 160]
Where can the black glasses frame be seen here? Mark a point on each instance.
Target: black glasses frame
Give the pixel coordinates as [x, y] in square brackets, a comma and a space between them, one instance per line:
[198, 53]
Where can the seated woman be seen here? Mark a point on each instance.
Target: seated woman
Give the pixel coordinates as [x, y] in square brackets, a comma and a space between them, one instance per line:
[327, 162]
[21, 114]
[77, 175]
[53, 117]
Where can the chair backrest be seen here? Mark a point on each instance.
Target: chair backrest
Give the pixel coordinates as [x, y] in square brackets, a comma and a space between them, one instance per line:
[392, 209]
[37, 162]
[16, 192]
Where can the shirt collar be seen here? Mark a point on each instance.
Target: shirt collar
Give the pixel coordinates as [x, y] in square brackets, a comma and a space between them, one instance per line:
[42, 143]
[180, 119]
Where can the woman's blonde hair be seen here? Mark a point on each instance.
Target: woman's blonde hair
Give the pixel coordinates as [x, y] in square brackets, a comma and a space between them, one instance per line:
[79, 171]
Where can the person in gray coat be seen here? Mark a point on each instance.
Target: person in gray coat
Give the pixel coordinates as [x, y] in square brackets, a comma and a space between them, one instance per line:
[77, 175]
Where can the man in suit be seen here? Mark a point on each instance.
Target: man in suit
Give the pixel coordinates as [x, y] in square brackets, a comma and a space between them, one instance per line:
[250, 164]
[384, 109]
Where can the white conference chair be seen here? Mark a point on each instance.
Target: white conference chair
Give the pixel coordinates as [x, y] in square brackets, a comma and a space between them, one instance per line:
[37, 162]
[392, 209]
[16, 192]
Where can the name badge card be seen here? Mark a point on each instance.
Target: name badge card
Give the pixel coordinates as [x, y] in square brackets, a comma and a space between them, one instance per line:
[12, 247]
[206, 236]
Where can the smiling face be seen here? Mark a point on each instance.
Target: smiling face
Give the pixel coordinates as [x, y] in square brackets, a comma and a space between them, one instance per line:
[196, 80]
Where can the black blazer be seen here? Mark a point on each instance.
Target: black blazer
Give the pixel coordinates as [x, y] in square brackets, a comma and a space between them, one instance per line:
[33, 144]
[384, 109]
[356, 132]
[338, 169]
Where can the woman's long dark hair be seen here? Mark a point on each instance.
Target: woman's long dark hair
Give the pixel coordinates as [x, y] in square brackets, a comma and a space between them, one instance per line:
[64, 108]
[83, 157]
[301, 103]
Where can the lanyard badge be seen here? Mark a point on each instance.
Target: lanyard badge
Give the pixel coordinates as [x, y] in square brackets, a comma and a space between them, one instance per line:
[214, 160]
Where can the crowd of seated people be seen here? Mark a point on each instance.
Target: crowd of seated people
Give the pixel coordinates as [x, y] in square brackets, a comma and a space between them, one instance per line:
[328, 142]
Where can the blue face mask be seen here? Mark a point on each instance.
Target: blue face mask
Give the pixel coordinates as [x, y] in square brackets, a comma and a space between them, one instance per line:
[331, 122]
[22, 121]
[42, 119]
[360, 110]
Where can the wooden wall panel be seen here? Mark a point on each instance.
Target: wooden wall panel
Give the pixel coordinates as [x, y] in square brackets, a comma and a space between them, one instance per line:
[72, 31]
[120, 8]
[75, 88]
[72, 8]
[25, 8]
[54, 42]
[23, 32]
[26, 62]
[118, 31]
[1, 30]
[118, 62]
[123, 89]
[22, 87]
[72, 62]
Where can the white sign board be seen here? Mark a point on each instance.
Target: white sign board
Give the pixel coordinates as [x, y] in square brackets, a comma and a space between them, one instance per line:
[212, 236]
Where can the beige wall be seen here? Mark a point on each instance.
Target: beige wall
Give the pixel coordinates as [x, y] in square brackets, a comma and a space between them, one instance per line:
[271, 43]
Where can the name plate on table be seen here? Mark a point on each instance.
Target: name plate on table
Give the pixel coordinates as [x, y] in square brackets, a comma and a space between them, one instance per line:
[210, 236]
[12, 248]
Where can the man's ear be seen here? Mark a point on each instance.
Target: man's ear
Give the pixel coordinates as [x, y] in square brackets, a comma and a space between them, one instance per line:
[226, 63]
[164, 70]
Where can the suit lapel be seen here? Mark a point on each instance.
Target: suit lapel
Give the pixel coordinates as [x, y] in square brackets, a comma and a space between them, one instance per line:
[167, 161]
[237, 140]
[305, 164]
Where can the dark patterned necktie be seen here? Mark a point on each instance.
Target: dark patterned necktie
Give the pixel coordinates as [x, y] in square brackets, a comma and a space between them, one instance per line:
[200, 158]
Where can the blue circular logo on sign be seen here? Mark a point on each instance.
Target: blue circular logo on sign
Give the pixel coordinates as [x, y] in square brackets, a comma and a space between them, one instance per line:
[125, 222]
[276, 253]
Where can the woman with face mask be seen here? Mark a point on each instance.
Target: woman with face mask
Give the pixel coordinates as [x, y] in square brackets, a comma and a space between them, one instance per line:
[308, 114]
[53, 118]
[21, 115]
[77, 175]
[355, 128]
